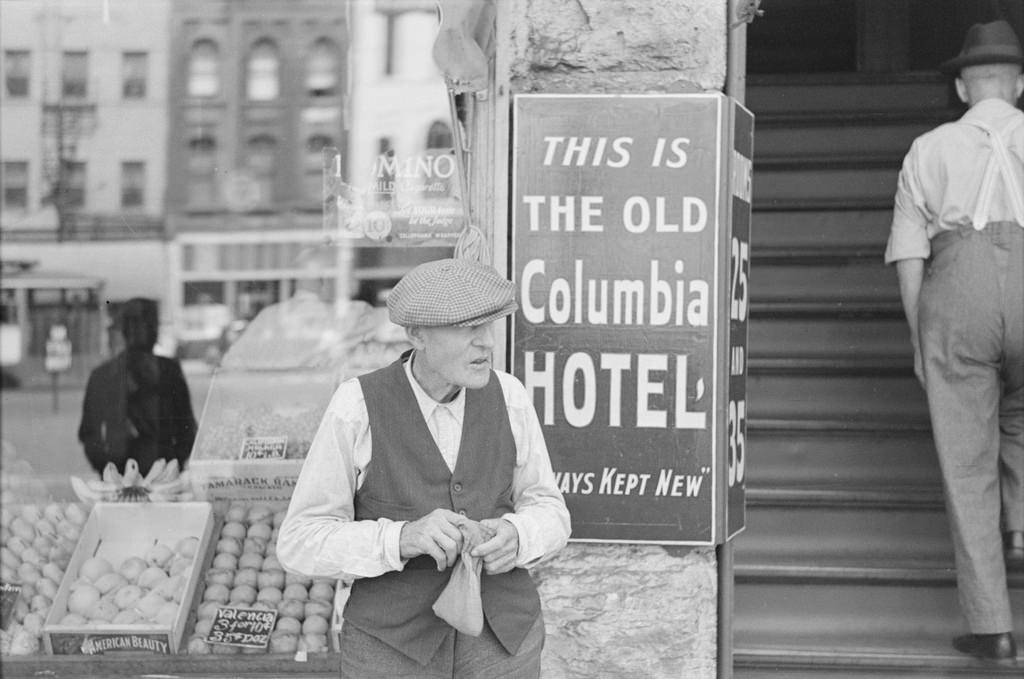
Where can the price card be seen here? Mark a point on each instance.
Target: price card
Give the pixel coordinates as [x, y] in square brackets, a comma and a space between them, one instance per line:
[248, 627]
[264, 448]
[8, 598]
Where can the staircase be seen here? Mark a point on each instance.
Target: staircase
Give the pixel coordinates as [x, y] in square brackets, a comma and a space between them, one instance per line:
[846, 566]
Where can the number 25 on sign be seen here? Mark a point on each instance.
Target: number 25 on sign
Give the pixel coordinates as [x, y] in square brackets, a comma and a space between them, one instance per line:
[740, 270]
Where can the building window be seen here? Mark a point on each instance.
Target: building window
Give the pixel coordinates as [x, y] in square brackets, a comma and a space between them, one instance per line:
[74, 189]
[313, 166]
[75, 74]
[133, 184]
[263, 81]
[134, 69]
[261, 155]
[322, 69]
[15, 182]
[204, 70]
[202, 166]
[17, 69]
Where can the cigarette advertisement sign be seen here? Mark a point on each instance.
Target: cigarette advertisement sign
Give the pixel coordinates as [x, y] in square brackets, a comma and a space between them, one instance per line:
[405, 201]
[631, 332]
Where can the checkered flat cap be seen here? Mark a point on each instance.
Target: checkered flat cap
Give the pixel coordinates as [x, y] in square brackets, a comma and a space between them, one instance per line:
[451, 292]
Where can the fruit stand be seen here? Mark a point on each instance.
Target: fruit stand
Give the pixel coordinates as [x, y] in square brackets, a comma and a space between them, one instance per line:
[176, 572]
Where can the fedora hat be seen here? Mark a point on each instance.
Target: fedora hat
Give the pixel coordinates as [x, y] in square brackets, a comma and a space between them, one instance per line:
[991, 43]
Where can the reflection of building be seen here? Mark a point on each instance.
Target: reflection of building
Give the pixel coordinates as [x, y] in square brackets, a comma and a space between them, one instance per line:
[258, 90]
[83, 124]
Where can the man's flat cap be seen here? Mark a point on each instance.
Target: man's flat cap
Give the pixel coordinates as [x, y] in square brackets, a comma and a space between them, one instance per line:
[451, 292]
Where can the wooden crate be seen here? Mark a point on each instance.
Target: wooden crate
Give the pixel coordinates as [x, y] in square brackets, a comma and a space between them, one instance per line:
[117, 531]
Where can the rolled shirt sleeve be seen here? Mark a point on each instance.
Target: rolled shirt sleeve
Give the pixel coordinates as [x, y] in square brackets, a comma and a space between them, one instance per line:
[540, 517]
[909, 237]
[319, 536]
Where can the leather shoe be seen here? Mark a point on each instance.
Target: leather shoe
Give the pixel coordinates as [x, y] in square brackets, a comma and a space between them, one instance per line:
[1013, 545]
[998, 647]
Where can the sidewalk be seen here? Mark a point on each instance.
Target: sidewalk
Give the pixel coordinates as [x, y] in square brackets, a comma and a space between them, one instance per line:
[48, 439]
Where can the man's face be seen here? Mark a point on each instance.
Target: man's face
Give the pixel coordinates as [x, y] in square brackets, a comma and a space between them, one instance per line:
[448, 358]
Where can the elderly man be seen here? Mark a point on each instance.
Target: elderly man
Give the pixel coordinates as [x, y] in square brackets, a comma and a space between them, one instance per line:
[960, 206]
[406, 458]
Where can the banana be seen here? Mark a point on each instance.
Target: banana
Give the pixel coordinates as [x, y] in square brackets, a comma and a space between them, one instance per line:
[155, 470]
[171, 471]
[100, 486]
[172, 487]
[84, 492]
[131, 474]
[111, 475]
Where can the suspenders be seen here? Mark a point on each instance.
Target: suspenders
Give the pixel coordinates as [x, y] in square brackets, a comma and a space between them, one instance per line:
[1000, 165]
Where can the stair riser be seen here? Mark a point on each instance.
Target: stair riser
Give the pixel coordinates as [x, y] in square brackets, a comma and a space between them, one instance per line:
[780, 141]
[823, 183]
[847, 98]
[826, 535]
[817, 338]
[829, 459]
[888, 615]
[820, 228]
[807, 398]
[870, 280]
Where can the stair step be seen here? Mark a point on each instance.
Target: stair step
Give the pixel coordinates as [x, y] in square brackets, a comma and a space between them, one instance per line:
[801, 228]
[844, 134]
[855, 459]
[851, 616]
[779, 539]
[847, 92]
[938, 662]
[801, 181]
[841, 397]
[836, 308]
[864, 281]
[883, 338]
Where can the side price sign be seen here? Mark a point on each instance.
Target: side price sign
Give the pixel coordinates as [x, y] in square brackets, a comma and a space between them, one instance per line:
[247, 627]
[630, 251]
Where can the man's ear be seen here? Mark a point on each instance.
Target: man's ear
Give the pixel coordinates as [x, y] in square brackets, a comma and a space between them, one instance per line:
[961, 89]
[1020, 85]
[415, 335]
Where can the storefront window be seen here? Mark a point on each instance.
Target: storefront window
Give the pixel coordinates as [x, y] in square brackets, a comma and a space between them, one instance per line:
[206, 134]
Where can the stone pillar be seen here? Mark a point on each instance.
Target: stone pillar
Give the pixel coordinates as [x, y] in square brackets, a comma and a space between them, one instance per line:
[611, 610]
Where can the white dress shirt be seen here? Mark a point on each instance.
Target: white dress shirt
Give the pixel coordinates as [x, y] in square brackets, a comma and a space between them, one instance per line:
[320, 536]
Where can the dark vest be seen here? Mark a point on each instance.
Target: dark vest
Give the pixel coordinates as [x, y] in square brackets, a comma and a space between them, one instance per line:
[406, 479]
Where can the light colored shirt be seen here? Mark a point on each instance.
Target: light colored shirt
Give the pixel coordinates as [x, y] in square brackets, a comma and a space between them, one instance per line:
[320, 536]
[942, 175]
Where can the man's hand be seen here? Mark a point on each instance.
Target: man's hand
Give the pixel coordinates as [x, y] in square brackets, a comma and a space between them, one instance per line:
[499, 553]
[436, 535]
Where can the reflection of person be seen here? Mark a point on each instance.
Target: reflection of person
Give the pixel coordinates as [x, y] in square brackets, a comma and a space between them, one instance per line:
[137, 404]
[406, 454]
[960, 205]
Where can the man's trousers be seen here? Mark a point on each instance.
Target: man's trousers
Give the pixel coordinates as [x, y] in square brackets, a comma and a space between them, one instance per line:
[972, 347]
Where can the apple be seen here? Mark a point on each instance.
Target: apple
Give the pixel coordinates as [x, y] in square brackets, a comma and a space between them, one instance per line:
[103, 611]
[83, 598]
[159, 555]
[73, 620]
[131, 568]
[93, 567]
[108, 582]
[167, 613]
[126, 616]
[151, 577]
[126, 597]
[149, 605]
[187, 547]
